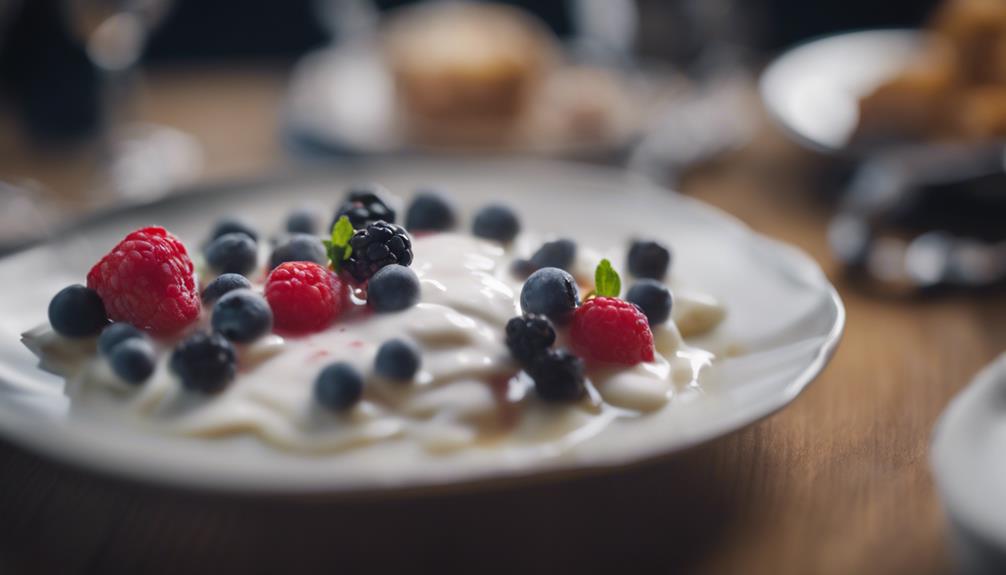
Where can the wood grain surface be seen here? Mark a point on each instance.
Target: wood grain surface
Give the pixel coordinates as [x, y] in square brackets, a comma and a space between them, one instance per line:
[838, 482]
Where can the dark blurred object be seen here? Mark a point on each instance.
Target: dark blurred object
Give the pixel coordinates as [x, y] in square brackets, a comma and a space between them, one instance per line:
[922, 217]
[47, 75]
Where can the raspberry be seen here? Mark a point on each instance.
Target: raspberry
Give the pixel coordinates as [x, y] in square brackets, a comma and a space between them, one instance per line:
[611, 330]
[304, 296]
[147, 280]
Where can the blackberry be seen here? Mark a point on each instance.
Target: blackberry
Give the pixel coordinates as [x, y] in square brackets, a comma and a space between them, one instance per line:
[379, 244]
[648, 259]
[365, 205]
[558, 376]
[529, 336]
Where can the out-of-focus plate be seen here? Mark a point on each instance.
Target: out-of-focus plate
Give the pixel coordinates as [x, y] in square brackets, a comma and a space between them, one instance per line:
[783, 314]
[969, 462]
[342, 99]
[813, 90]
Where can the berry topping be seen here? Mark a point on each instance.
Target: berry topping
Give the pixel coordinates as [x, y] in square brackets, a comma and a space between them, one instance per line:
[558, 376]
[232, 226]
[429, 211]
[496, 222]
[550, 292]
[653, 298]
[648, 260]
[77, 311]
[393, 288]
[529, 336]
[304, 296]
[233, 253]
[204, 362]
[147, 280]
[339, 386]
[397, 359]
[556, 254]
[299, 248]
[223, 284]
[302, 221]
[242, 316]
[364, 205]
[115, 334]
[379, 244]
[611, 330]
[133, 360]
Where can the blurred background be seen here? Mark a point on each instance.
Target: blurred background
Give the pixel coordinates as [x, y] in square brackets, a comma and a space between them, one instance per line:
[870, 134]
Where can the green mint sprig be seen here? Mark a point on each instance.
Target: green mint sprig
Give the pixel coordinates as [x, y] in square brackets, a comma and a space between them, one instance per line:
[606, 281]
[338, 247]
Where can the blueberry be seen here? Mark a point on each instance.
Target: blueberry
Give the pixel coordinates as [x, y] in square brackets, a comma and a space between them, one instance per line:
[115, 334]
[496, 222]
[233, 253]
[397, 359]
[393, 288]
[204, 362]
[429, 211]
[338, 386]
[551, 292]
[299, 248]
[558, 376]
[77, 311]
[653, 297]
[133, 360]
[556, 254]
[242, 316]
[529, 336]
[648, 259]
[232, 226]
[302, 221]
[223, 284]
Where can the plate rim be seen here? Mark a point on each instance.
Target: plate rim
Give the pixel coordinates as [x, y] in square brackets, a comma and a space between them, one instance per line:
[772, 68]
[18, 429]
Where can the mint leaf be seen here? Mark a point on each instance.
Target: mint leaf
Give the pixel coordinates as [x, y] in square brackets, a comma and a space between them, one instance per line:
[338, 246]
[606, 280]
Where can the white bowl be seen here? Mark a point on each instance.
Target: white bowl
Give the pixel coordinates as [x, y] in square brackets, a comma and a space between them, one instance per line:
[781, 311]
[969, 463]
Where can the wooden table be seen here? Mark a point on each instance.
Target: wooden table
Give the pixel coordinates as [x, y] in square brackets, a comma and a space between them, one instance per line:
[838, 482]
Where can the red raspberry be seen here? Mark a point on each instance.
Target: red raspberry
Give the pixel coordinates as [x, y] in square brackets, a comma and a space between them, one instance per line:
[147, 280]
[304, 296]
[611, 330]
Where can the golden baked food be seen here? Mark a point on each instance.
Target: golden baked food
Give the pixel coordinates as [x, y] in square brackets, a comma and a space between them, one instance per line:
[466, 73]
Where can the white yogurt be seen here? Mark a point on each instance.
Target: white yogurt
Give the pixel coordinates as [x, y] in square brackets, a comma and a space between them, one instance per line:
[469, 392]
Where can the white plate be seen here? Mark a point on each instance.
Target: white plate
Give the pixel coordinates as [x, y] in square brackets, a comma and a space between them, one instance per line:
[969, 462]
[782, 311]
[342, 100]
[813, 90]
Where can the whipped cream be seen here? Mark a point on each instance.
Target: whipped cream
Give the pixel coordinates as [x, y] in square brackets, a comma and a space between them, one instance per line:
[468, 393]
